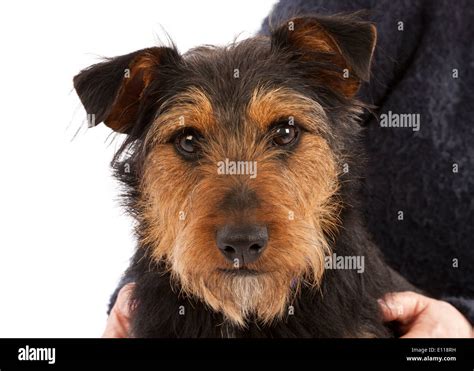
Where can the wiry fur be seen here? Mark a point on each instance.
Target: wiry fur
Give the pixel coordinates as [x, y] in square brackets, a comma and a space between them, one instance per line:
[179, 289]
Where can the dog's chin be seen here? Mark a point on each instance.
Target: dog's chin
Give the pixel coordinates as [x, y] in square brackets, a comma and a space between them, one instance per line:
[243, 294]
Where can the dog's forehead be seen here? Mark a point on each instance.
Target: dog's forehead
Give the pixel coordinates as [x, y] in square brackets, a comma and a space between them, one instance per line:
[233, 88]
[228, 75]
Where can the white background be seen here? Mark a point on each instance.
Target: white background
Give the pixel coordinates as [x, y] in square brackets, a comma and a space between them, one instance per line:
[64, 240]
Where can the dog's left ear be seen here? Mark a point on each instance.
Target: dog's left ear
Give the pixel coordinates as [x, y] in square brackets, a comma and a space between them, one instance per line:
[342, 45]
[115, 91]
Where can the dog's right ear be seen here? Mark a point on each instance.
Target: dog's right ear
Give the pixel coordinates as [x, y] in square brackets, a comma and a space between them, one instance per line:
[114, 91]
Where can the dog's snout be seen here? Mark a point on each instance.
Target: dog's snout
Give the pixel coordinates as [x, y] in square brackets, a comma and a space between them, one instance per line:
[242, 244]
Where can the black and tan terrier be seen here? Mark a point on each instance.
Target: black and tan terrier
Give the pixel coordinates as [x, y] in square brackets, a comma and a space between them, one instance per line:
[242, 167]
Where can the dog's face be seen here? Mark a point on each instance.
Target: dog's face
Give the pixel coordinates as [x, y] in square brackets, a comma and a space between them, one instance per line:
[237, 156]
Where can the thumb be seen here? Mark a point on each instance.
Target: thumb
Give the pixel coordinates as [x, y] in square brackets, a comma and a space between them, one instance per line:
[402, 307]
[118, 321]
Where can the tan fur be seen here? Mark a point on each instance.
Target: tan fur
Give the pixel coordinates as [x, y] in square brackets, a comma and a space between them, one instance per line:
[140, 73]
[306, 186]
[311, 36]
[190, 109]
[267, 106]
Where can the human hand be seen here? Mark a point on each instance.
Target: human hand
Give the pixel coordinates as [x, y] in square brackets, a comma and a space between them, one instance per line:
[119, 319]
[421, 317]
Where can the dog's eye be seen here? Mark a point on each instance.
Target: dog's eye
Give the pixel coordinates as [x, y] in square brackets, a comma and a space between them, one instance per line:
[187, 142]
[285, 134]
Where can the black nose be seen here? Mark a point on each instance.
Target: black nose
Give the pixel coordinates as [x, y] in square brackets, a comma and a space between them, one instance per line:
[242, 244]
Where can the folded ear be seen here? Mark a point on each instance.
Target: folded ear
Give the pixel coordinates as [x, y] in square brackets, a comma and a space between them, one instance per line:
[113, 91]
[343, 41]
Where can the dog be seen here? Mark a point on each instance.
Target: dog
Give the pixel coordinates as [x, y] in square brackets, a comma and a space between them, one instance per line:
[242, 168]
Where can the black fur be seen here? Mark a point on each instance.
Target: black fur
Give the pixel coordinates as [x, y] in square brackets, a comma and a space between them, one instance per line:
[343, 305]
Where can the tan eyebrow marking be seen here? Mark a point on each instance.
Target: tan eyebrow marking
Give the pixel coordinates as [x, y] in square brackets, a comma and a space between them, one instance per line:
[189, 109]
[269, 105]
